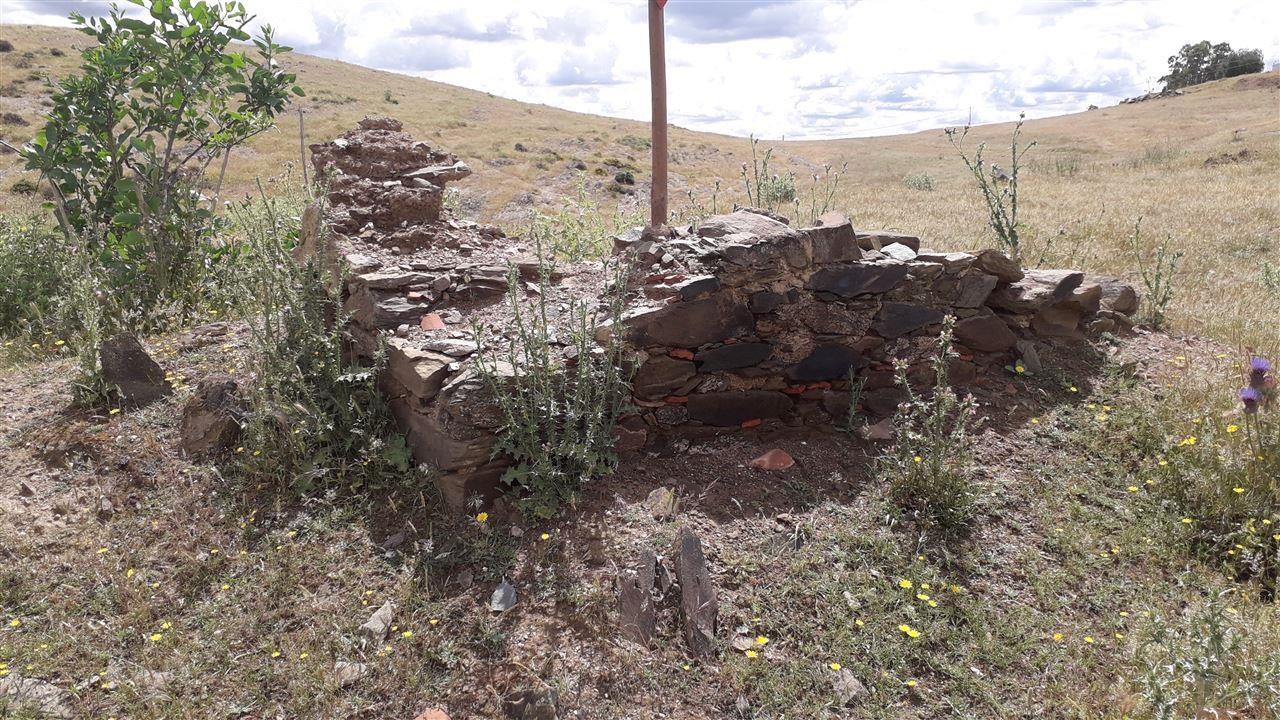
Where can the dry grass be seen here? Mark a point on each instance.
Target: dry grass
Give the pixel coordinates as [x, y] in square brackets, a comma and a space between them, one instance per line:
[1092, 176]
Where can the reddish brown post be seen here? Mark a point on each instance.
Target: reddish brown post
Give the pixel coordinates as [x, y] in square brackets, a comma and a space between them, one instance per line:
[658, 76]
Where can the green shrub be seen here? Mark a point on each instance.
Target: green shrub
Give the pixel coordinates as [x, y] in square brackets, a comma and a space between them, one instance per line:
[1216, 464]
[929, 465]
[559, 392]
[999, 188]
[315, 421]
[35, 262]
[127, 141]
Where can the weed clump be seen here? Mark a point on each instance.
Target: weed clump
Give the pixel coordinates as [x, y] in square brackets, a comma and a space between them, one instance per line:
[1157, 272]
[929, 465]
[315, 420]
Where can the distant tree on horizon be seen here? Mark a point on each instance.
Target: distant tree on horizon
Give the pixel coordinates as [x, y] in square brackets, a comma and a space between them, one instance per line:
[1204, 61]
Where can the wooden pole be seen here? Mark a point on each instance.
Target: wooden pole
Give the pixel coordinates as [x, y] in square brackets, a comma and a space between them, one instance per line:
[658, 77]
[217, 195]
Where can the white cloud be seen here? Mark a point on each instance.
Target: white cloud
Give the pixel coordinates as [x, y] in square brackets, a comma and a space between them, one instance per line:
[799, 68]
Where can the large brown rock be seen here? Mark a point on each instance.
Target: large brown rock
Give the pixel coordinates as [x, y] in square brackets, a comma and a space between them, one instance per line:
[420, 372]
[834, 243]
[877, 239]
[1058, 321]
[127, 367]
[755, 246]
[745, 227]
[690, 324]
[1037, 289]
[1117, 295]
[211, 417]
[973, 289]
[698, 604]
[985, 333]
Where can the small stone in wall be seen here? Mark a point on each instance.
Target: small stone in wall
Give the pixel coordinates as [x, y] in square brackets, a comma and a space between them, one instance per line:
[898, 251]
[831, 361]
[898, 319]
[853, 280]
[730, 357]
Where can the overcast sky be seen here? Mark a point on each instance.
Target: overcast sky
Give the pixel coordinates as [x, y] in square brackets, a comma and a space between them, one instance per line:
[794, 68]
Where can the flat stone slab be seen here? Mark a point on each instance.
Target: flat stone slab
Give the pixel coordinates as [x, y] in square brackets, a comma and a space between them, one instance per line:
[853, 280]
[726, 409]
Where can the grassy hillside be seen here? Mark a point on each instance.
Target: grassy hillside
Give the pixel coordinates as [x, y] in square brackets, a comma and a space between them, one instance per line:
[1091, 176]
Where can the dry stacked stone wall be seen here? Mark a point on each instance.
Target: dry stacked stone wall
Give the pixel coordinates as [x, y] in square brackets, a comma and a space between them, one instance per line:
[740, 322]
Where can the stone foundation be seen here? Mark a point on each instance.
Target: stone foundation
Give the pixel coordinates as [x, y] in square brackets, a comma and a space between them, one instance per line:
[741, 322]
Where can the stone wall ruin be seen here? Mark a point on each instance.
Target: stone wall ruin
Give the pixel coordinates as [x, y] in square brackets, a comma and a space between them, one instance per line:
[739, 323]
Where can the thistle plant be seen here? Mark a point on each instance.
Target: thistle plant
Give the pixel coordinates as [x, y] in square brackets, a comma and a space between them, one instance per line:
[999, 188]
[766, 191]
[1158, 272]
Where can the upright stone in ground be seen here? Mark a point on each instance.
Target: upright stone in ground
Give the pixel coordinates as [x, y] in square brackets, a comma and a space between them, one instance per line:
[637, 614]
[698, 602]
[128, 367]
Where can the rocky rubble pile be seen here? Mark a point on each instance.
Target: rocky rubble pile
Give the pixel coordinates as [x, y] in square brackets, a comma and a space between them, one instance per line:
[741, 322]
[414, 275]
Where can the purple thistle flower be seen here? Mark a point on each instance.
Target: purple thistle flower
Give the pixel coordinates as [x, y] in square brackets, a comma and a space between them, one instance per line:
[1258, 369]
[1250, 397]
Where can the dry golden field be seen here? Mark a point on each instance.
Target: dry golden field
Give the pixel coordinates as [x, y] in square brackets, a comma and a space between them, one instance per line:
[1092, 175]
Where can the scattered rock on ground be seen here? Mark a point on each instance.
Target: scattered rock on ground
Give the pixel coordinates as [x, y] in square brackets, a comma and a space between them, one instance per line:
[211, 417]
[662, 503]
[637, 611]
[35, 696]
[503, 598]
[775, 459]
[541, 704]
[847, 687]
[346, 673]
[378, 624]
